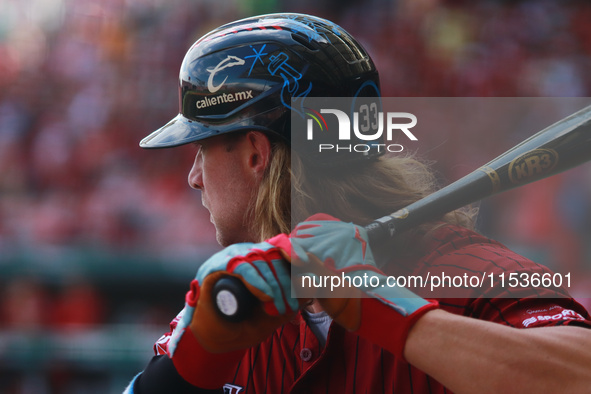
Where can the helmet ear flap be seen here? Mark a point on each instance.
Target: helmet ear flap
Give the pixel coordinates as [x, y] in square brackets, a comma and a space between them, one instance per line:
[253, 73]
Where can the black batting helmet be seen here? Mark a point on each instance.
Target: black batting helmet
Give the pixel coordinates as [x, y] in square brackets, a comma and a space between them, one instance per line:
[252, 73]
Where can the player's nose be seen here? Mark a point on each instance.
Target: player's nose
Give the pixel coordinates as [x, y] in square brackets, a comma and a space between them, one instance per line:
[195, 177]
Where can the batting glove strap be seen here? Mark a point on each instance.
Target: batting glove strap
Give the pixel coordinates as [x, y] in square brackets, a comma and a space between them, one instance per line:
[202, 368]
[387, 327]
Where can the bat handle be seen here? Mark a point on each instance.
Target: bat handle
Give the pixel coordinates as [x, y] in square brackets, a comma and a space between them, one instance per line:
[232, 300]
[380, 230]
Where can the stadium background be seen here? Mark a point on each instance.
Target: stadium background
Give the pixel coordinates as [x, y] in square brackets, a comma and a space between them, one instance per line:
[99, 238]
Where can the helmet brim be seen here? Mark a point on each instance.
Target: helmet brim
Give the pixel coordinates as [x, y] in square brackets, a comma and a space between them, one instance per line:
[179, 131]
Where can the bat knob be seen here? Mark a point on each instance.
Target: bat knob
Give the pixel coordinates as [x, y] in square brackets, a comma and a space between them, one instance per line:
[232, 299]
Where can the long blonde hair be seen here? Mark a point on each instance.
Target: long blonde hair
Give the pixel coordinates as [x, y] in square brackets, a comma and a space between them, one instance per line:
[271, 206]
[292, 191]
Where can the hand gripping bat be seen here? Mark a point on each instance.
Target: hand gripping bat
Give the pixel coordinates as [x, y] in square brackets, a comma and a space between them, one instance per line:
[559, 147]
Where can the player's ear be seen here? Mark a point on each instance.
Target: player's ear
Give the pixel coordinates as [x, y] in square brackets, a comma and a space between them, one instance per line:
[260, 151]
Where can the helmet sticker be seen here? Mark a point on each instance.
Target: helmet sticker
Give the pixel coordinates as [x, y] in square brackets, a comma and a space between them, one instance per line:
[223, 98]
[229, 61]
[279, 65]
[257, 56]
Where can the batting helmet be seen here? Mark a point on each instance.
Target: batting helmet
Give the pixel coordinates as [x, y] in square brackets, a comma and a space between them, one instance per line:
[251, 74]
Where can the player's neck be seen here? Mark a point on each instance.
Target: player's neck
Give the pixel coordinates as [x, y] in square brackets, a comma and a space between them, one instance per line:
[314, 307]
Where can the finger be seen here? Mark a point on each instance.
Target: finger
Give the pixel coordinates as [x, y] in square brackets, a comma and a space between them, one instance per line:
[278, 279]
[252, 276]
[220, 260]
[283, 272]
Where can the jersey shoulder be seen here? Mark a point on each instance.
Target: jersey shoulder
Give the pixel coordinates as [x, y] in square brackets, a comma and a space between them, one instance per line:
[460, 249]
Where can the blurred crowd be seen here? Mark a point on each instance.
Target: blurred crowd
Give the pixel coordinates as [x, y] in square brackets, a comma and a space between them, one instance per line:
[81, 82]
[478, 48]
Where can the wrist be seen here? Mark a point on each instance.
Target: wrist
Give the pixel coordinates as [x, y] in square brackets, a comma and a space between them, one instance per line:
[386, 327]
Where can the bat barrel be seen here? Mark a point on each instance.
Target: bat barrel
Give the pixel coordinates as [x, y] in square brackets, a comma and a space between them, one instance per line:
[557, 148]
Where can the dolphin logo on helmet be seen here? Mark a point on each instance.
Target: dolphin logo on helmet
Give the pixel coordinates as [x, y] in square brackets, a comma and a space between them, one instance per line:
[230, 61]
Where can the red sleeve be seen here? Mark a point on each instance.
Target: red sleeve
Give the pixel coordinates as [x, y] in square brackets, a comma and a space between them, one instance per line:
[532, 312]
[455, 251]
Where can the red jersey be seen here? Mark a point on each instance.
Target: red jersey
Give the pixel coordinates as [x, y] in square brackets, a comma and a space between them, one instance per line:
[292, 361]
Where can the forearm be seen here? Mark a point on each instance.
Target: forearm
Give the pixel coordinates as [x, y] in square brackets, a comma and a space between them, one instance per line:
[469, 355]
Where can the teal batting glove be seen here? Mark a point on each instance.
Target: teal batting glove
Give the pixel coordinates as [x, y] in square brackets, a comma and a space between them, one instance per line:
[381, 312]
[203, 335]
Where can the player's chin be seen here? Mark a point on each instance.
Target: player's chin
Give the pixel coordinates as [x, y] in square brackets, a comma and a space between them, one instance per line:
[222, 240]
[226, 237]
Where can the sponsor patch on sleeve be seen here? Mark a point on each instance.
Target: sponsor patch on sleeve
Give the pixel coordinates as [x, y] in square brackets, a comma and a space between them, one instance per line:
[547, 315]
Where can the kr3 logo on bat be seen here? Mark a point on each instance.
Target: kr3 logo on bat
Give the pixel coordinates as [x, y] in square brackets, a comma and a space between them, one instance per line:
[368, 125]
[535, 163]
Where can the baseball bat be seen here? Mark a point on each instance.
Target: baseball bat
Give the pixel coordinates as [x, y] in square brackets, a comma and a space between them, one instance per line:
[559, 147]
